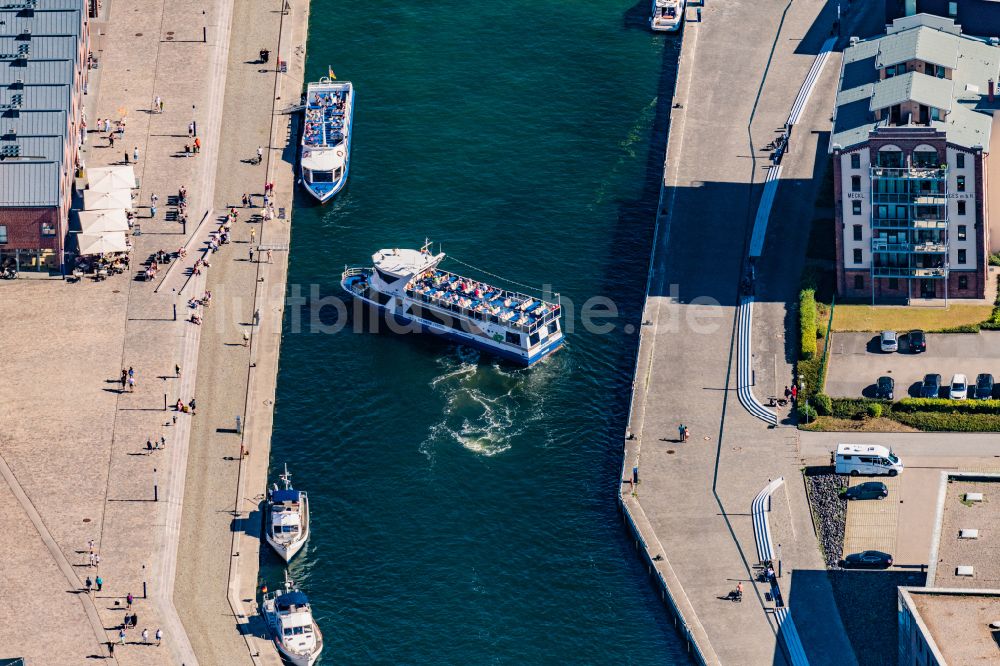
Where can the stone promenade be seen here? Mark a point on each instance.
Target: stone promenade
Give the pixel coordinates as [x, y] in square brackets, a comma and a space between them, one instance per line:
[740, 70]
[73, 456]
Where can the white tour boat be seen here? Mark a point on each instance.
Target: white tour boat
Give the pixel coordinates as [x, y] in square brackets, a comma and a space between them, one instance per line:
[668, 15]
[326, 137]
[293, 629]
[287, 518]
[409, 286]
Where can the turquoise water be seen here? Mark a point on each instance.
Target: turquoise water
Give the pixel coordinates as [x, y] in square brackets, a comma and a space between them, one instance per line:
[463, 510]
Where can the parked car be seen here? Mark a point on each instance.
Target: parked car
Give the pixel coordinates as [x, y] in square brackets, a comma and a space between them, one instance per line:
[884, 388]
[984, 387]
[918, 342]
[888, 341]
[866, 490]
[959, 387]
[931, 386]
[870, 559]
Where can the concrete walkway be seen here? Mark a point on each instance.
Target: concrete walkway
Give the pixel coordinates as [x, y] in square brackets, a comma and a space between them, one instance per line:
[731, 97]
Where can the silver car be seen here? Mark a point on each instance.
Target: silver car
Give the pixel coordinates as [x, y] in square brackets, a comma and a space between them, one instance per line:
[889, 341]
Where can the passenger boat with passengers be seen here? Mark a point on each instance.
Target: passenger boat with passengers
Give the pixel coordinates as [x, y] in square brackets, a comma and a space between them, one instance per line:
[326, 137]
[408, 285]
[668, 15]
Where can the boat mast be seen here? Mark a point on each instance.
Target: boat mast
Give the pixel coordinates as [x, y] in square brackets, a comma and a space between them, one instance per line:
[287, 478]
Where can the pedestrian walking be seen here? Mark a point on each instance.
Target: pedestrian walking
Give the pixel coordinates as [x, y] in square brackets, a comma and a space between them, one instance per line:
[145, 636]
[149, 445]
[268, 255]
[197, 145]
[177, 370]
[129, 599]
[159, 636]
[126, 157]
[256, 317]
[89, 583]
[153, 199]
[156, 104]
[124, 377]
[246, 337]
[260, 154]
[131, 371]
[131, 383]
[121, 635]
[161, 104]
[97, 560]
[90, 545]
[788, 393]
[92, 561]
[246, 200]
[99, 582]
[111, 140]
[111, 649]
[163, 442]
[253, 235]
[152, 210]
[135, 154]
[192, 406]
[795, 392]
[251, 253]
[190, 129]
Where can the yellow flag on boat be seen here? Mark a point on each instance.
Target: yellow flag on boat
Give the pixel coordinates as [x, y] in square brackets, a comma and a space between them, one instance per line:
[330, 73]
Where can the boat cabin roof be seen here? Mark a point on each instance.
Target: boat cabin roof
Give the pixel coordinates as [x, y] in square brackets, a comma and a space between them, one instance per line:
[279, 496]
[285, 518]
[405, 262]
[290, 600]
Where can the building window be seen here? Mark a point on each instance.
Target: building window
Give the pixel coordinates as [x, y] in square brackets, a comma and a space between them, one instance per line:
[857, 232]
[960, 183]
[855, 160]
[856, 184]
[960, 160]
[961, 232]
[961, 256]
[961, 208]
[893, 283]
[3, 234]
[856, 207]
[48, 229]
[953, 9]
[963, 282]
[857, 256]
[859, 282]
[925, 158]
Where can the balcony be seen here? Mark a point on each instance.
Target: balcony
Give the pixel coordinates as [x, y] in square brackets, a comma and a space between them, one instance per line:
[923, 247]
[909, 272]
[911, 173]
[907, 223]
[910, 198]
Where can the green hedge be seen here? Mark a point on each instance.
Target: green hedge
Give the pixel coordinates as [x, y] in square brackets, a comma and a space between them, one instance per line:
[807, 324]
[856, 408]
[936, 421]
[945, 406]
[823, 403]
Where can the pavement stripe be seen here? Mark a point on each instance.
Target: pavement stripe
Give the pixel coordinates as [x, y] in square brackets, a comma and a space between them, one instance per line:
[790, 637]
[744, 379]
[810, 82]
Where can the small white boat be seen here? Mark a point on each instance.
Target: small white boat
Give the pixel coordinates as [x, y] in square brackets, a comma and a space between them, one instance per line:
[408, 285]
[293, 629]
[326, 137]
[668, 15]
[287, 518]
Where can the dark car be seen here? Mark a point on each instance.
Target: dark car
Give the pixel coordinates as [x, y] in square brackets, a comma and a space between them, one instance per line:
[866, 490]
[884, 388]
[918, 342]
[984, 387]
[870, 559]
[931, 386]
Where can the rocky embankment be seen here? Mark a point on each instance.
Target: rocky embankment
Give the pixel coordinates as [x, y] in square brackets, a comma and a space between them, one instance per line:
[830, 512]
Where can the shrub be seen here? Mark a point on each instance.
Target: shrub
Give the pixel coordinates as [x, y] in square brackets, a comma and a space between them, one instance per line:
[874, 410]
[935, 421]
[855, 408]
[945, 406]
[810, 371]
[807, 323]
[823, 404]
[806, 412]
[964, 328]
[995, 259]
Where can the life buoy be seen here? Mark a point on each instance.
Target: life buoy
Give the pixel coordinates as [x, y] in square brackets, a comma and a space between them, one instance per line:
[340, 153]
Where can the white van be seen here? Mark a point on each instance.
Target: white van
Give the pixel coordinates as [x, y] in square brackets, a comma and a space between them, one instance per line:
[867, 459]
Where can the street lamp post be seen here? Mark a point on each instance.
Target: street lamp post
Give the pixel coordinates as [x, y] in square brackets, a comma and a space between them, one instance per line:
[194, 121]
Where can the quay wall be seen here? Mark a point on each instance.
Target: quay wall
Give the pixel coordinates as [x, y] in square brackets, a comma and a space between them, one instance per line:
[644, 537]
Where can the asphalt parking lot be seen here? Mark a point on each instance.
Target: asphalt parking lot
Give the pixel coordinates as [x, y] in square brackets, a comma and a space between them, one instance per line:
[856, 362]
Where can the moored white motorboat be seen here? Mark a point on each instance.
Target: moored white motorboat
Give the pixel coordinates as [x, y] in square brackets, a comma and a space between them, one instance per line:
[290, 621]
[409, 286]
[667, 16]
[287, 518]
[326, 137]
